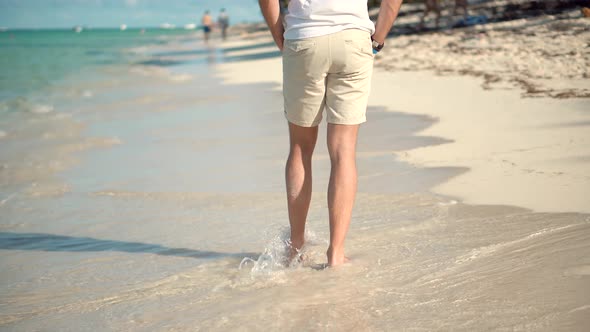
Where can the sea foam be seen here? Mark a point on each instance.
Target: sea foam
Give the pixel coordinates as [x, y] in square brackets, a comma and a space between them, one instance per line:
[21, 104]
[275, 257]
[41, 109]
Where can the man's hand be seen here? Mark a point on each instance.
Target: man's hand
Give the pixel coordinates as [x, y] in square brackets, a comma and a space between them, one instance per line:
[387, 15]
[272, 14]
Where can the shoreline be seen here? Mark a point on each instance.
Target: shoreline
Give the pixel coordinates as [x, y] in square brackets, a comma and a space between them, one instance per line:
[518, 152]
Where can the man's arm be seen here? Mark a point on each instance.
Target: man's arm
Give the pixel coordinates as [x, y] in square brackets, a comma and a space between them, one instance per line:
[387, 15]
[272, 14]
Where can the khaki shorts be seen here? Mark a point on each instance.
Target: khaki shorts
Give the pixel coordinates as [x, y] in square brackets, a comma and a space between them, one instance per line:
[332, 71]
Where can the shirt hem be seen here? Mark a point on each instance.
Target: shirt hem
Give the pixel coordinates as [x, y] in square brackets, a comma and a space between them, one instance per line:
[324, 32]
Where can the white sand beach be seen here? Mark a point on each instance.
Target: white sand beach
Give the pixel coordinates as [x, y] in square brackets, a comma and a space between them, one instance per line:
[520, 147]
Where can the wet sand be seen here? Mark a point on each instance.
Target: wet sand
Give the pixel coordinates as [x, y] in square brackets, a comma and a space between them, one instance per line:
[178, 222]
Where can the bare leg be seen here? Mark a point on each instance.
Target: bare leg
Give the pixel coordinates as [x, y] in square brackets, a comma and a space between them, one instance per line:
[342, 188]
[298, 179]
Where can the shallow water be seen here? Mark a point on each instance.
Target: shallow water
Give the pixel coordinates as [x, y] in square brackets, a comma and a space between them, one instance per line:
[176, 261]
[159, 205]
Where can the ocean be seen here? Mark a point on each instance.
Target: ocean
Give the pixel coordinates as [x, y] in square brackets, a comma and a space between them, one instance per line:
[35, 62]
[142, 190]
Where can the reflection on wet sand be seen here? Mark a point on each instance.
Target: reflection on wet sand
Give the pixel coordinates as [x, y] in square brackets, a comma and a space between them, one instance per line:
[52, 242]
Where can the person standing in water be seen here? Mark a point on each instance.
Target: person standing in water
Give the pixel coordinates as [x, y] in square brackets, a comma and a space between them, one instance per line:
[328, 48]
[207, 23]
[223, 22]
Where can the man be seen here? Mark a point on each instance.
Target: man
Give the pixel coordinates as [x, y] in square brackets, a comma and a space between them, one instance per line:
[223, 22]
[207, 23]
[328, 48]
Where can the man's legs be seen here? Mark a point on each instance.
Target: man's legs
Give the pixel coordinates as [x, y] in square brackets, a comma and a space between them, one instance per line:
[298, 179]
[342, 187]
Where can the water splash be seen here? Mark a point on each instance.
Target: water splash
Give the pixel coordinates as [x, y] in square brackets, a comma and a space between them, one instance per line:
[275, 258]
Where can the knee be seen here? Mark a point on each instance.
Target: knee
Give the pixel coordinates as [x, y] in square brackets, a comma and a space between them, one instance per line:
[301, 151]
[342, 156]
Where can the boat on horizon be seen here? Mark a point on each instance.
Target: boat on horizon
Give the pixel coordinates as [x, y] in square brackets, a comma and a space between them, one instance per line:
[77, 29]
[123, 27]
[167, 26]
[190, 26]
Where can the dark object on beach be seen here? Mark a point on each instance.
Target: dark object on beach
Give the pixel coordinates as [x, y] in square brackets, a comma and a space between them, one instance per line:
[531, 8]
[471, 20]
[586, 12]
[430, 6]
[435, 6]
[495, 11]
[223, 22]
[461, 4]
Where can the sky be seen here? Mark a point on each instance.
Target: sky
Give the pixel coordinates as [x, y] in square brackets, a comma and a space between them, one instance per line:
[113, 13]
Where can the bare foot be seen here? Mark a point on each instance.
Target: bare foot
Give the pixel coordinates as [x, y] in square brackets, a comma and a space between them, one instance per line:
[344, 260]
[336, 257]
[295, 254]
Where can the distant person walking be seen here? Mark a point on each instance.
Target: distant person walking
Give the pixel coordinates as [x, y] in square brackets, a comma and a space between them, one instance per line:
[223, 22]
[207, 23]
[328, 48]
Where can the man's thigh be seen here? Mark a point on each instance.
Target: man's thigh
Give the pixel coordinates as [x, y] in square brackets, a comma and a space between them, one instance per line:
[305, 64]
[349, 80]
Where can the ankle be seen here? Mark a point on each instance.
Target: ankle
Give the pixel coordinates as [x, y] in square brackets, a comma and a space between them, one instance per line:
[296, 243]
[335, 255]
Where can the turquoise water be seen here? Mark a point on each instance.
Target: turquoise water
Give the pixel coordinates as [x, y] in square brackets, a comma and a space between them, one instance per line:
[33, 60]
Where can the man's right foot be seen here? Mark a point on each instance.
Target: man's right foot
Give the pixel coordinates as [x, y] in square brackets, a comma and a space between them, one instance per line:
[336, 257]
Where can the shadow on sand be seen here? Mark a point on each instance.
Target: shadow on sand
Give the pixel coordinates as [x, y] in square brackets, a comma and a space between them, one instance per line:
[51, 242]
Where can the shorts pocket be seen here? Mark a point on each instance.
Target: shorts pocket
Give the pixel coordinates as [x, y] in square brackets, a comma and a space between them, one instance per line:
[358, 54]
[301, 46]
[361, 46]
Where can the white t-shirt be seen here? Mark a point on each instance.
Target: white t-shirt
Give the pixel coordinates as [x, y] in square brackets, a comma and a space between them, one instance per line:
[312, 18]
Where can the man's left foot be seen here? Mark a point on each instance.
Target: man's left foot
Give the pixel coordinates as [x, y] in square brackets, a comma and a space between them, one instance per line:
[295, 254]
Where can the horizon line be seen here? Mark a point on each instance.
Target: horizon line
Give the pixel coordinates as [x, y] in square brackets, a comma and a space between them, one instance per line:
[86, 27]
